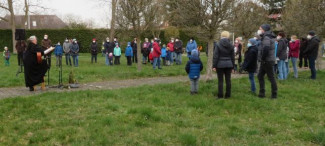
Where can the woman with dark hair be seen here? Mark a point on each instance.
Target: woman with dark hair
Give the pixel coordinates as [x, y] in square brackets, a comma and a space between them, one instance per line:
[303, 59]
[282, 56]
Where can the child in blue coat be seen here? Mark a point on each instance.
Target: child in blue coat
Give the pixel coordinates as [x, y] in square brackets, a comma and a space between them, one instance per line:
[58, 54]
[193, 68]
[164, 54]
[129, 54]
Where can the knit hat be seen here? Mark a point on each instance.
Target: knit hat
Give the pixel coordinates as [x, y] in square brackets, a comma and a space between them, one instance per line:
[94, 39]
[266, 27]
[195, 53]
[252, 41]
[312, 33]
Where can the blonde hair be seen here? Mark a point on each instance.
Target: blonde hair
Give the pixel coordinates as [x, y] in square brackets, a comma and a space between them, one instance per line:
[225, 34]
[294, 37]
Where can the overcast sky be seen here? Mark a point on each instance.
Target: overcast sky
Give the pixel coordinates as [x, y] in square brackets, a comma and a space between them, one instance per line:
[88, 10]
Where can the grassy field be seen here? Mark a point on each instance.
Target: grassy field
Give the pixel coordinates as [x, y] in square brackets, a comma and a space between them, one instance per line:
[167, 115]
[87, 72]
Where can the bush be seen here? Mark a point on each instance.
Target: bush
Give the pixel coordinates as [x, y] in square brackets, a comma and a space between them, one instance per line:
[85, 36]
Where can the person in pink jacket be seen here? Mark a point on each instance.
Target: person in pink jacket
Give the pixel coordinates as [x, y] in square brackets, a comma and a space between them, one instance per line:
[294, 46]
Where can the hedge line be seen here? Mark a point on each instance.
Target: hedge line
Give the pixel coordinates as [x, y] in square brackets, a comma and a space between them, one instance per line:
[84, 36]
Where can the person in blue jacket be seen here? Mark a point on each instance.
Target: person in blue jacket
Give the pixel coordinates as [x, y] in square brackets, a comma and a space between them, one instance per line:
[191, 45]
[193, 68]
[58, 54]
[164, 54]
[129, 54]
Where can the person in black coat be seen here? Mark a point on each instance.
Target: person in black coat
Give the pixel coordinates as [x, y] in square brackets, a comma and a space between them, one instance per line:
[312, 52]
[303, 59]
[135, 50]
[94, 51]
[250, 62]
[34, 70]
[223, 63]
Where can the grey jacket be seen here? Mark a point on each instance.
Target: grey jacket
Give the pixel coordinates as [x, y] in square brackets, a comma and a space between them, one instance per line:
[67, 47]
[223, 54]
[266, 49]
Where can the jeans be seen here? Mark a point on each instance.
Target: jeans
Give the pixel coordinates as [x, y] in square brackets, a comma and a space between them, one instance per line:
[252, 81]
[75, 60]
[144, 59]
[267, 68]
[282, 70]
[287, 68]
[224, 72]
[294, 65]
[179, 58]
[94, 57]
[195, 85]
[67, 59]
[129, 60]
[107, 60]
[135, 57]
[58, 60]
[156, 61]
[117, 60]
[312, 67]
[172, 57]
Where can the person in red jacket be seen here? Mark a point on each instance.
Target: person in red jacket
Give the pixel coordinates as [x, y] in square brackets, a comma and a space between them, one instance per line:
[170, 48]
[156, 54]
[294, 46]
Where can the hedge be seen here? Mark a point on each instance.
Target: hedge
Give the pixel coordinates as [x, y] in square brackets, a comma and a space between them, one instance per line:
[84, 37]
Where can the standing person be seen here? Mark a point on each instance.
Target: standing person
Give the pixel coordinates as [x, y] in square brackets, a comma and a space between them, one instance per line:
[75, 53]
[193, 68]
[129, 54]
[164, 54]
[21, 48]
[34, 69]
[156, 54]
[282, 56]
[67, 51]
[116, 42]
[135, 51]
[223, 63]
[312, 52]
[94, 51]
[58, 52]
[294, 46]
[144, 51]
[178, 47]
[47, 43]
[191, 45]
[267, 58]
[107, 50]
[170, 47]
[238, 55]
[250, 62]
[275, 68]
[117, 54]
[303, 58]
[6, 56]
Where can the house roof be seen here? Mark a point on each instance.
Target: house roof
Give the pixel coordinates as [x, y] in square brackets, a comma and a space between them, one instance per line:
[36, 22]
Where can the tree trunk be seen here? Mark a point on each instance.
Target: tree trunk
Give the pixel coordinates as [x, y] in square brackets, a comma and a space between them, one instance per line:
[139, 55]
[319, 58]
[210, 60]
[13, 25]
[112, 33]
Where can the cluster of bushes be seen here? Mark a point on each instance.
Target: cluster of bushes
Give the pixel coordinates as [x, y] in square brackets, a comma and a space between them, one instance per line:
[85, 36]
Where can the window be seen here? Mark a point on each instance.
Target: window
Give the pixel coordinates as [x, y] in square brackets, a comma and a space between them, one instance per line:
[34, 24]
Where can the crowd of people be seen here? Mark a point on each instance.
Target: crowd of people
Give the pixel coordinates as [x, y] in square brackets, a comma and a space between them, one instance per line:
[266, 54]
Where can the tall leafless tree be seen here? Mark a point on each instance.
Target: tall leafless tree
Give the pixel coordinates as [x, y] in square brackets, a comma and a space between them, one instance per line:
[8, 6]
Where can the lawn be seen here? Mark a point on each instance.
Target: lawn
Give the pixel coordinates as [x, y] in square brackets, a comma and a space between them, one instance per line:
[168, 115]
[87, 72]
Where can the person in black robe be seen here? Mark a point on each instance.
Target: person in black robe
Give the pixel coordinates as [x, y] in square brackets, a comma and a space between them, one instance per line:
[34, 71]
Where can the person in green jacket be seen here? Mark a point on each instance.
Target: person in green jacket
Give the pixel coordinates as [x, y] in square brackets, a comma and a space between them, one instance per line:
[6, 56]
[117, 54]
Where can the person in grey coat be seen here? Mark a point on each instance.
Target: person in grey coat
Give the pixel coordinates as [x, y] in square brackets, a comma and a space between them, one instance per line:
[223, 63]
[67, 51]
[267, 58]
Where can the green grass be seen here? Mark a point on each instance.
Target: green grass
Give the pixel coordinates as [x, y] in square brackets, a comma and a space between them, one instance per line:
[167, 115]
[87, 72]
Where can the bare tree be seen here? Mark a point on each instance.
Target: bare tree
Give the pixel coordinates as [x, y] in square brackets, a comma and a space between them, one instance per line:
[8, 6]
[113, 20]
[137, 16]
[205, 18]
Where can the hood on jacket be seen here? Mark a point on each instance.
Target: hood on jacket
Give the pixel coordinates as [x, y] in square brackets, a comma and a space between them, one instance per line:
[269, 34]
[129, 44]
[316, 38]
[224, 42]
[195, 56]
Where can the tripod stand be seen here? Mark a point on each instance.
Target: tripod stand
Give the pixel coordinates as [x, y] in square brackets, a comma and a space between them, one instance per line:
[20, 68]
